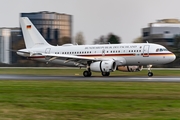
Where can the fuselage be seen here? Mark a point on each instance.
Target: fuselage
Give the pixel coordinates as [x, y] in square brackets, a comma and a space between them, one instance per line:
[123, 54]
[103, 58]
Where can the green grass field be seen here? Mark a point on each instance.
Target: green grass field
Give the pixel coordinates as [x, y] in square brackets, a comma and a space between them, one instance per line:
[78, 72]
[62, 100]
[70, 100]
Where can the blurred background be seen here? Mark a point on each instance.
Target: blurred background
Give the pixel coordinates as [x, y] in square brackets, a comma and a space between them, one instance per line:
[89, 22]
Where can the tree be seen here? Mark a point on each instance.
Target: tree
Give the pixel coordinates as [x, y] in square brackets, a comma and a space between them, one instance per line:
[175, 49]
[65, 40]
[79, 39]
[101, 40]
[138, 40]
[113, 39]
[177, 42]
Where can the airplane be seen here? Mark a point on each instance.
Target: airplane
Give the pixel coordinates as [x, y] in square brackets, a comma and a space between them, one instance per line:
[104, 58]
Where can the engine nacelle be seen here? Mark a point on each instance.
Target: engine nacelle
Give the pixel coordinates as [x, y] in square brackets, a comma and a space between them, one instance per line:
[130, 68]
[103, 66]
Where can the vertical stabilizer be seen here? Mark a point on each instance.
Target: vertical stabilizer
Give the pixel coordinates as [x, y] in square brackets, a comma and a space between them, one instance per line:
[32, 37]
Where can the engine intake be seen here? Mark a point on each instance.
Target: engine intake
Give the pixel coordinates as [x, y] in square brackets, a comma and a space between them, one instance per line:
[103, 66]
[130, 68]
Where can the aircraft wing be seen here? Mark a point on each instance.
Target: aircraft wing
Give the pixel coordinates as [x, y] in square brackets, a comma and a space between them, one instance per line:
[69, 58]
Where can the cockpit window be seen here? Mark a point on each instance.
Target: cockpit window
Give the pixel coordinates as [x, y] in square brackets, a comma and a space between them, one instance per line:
[161, 49]
[165, 49]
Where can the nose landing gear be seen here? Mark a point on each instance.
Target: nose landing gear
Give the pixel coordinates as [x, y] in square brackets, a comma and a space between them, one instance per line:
[150, 74]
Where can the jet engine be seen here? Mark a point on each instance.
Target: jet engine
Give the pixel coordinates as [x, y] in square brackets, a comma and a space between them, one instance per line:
[103, 66]
[130, 68]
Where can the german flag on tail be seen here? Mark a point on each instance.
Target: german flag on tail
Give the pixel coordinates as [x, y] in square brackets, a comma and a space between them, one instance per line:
[28, 26]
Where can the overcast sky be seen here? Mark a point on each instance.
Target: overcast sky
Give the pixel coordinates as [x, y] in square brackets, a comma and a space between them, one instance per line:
[94, 18]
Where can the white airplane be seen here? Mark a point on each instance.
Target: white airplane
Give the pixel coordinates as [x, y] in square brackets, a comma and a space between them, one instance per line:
[104, 58]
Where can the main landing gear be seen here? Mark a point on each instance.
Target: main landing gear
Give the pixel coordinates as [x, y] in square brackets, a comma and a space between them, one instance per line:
[150, 74]
[105, 73]
[87, 73]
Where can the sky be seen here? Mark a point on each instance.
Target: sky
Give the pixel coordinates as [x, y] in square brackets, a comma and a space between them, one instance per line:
[95, 18]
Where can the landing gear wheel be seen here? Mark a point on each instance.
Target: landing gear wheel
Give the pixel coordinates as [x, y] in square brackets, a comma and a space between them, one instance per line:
[150, 74]
[105, 73]
[87, 74]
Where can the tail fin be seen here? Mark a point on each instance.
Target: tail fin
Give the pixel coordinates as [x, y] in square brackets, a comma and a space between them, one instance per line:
[32, 37]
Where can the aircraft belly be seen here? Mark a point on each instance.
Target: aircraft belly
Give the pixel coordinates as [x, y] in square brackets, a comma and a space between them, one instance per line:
[133, 60]
[145, 60]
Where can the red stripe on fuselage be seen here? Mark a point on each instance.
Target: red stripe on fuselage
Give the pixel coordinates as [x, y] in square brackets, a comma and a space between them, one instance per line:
[115, 55]
[121, 55]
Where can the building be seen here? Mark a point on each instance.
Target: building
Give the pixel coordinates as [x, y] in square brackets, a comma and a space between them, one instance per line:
[56, 28]
[162, 32]
[4, 45]
[9, 38]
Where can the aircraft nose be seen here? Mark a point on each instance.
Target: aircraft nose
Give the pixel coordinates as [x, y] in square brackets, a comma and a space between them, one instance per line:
[173, 57]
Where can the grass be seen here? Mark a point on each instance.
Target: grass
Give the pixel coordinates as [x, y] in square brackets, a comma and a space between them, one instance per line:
[78, 72]
[68, 100]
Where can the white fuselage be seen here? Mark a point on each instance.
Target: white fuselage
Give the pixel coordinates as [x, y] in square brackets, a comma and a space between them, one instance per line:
[123, 54]
[98, 58]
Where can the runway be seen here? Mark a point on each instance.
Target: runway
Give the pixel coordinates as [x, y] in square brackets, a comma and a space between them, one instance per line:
[93, 78]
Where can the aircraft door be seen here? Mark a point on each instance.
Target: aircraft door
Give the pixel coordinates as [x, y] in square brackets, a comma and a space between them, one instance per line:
[146, 51]
[47, 51]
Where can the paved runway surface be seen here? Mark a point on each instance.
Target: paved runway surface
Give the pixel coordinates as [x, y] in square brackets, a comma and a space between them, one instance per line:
[93, 78]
